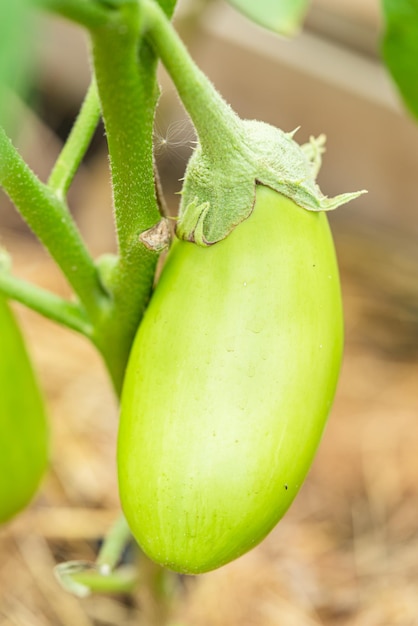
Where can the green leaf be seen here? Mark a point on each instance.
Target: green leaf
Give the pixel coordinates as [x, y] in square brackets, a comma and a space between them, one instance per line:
[281, 16]
[14, 35]
[400, 47]
[11, 15]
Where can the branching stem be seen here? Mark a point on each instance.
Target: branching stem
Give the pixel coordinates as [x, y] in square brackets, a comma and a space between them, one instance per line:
[48, 304]
[49, 218]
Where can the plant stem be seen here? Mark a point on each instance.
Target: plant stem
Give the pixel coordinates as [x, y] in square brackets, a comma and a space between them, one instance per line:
[125, 74]
[46, 303]
[77, 143]
[213, 118]
[122, 580]
[81, 578]
[114, 544]
[50, 220]
[128, 99]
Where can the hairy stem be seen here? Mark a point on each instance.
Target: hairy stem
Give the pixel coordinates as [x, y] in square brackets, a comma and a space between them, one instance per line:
[50, 220]
[77, 143]
[128, 100]
[125, 73]
[48, 304]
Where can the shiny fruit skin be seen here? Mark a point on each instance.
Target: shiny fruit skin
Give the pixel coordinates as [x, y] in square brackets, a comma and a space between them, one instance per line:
[23, 426]
[229, 385]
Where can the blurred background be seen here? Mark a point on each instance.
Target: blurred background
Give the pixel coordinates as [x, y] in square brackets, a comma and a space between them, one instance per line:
[347, 551]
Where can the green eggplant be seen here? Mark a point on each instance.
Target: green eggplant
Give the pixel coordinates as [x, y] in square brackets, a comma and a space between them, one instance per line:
[229, 384]
[23, 424]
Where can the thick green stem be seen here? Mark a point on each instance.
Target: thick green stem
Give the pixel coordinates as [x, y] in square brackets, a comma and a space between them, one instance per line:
[48, 304]
[50, 220]
[77, 143]
[213, 118]
[125, 75]
[128, 99]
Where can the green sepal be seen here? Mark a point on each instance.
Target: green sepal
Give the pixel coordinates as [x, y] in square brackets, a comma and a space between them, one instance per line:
[219, 190]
